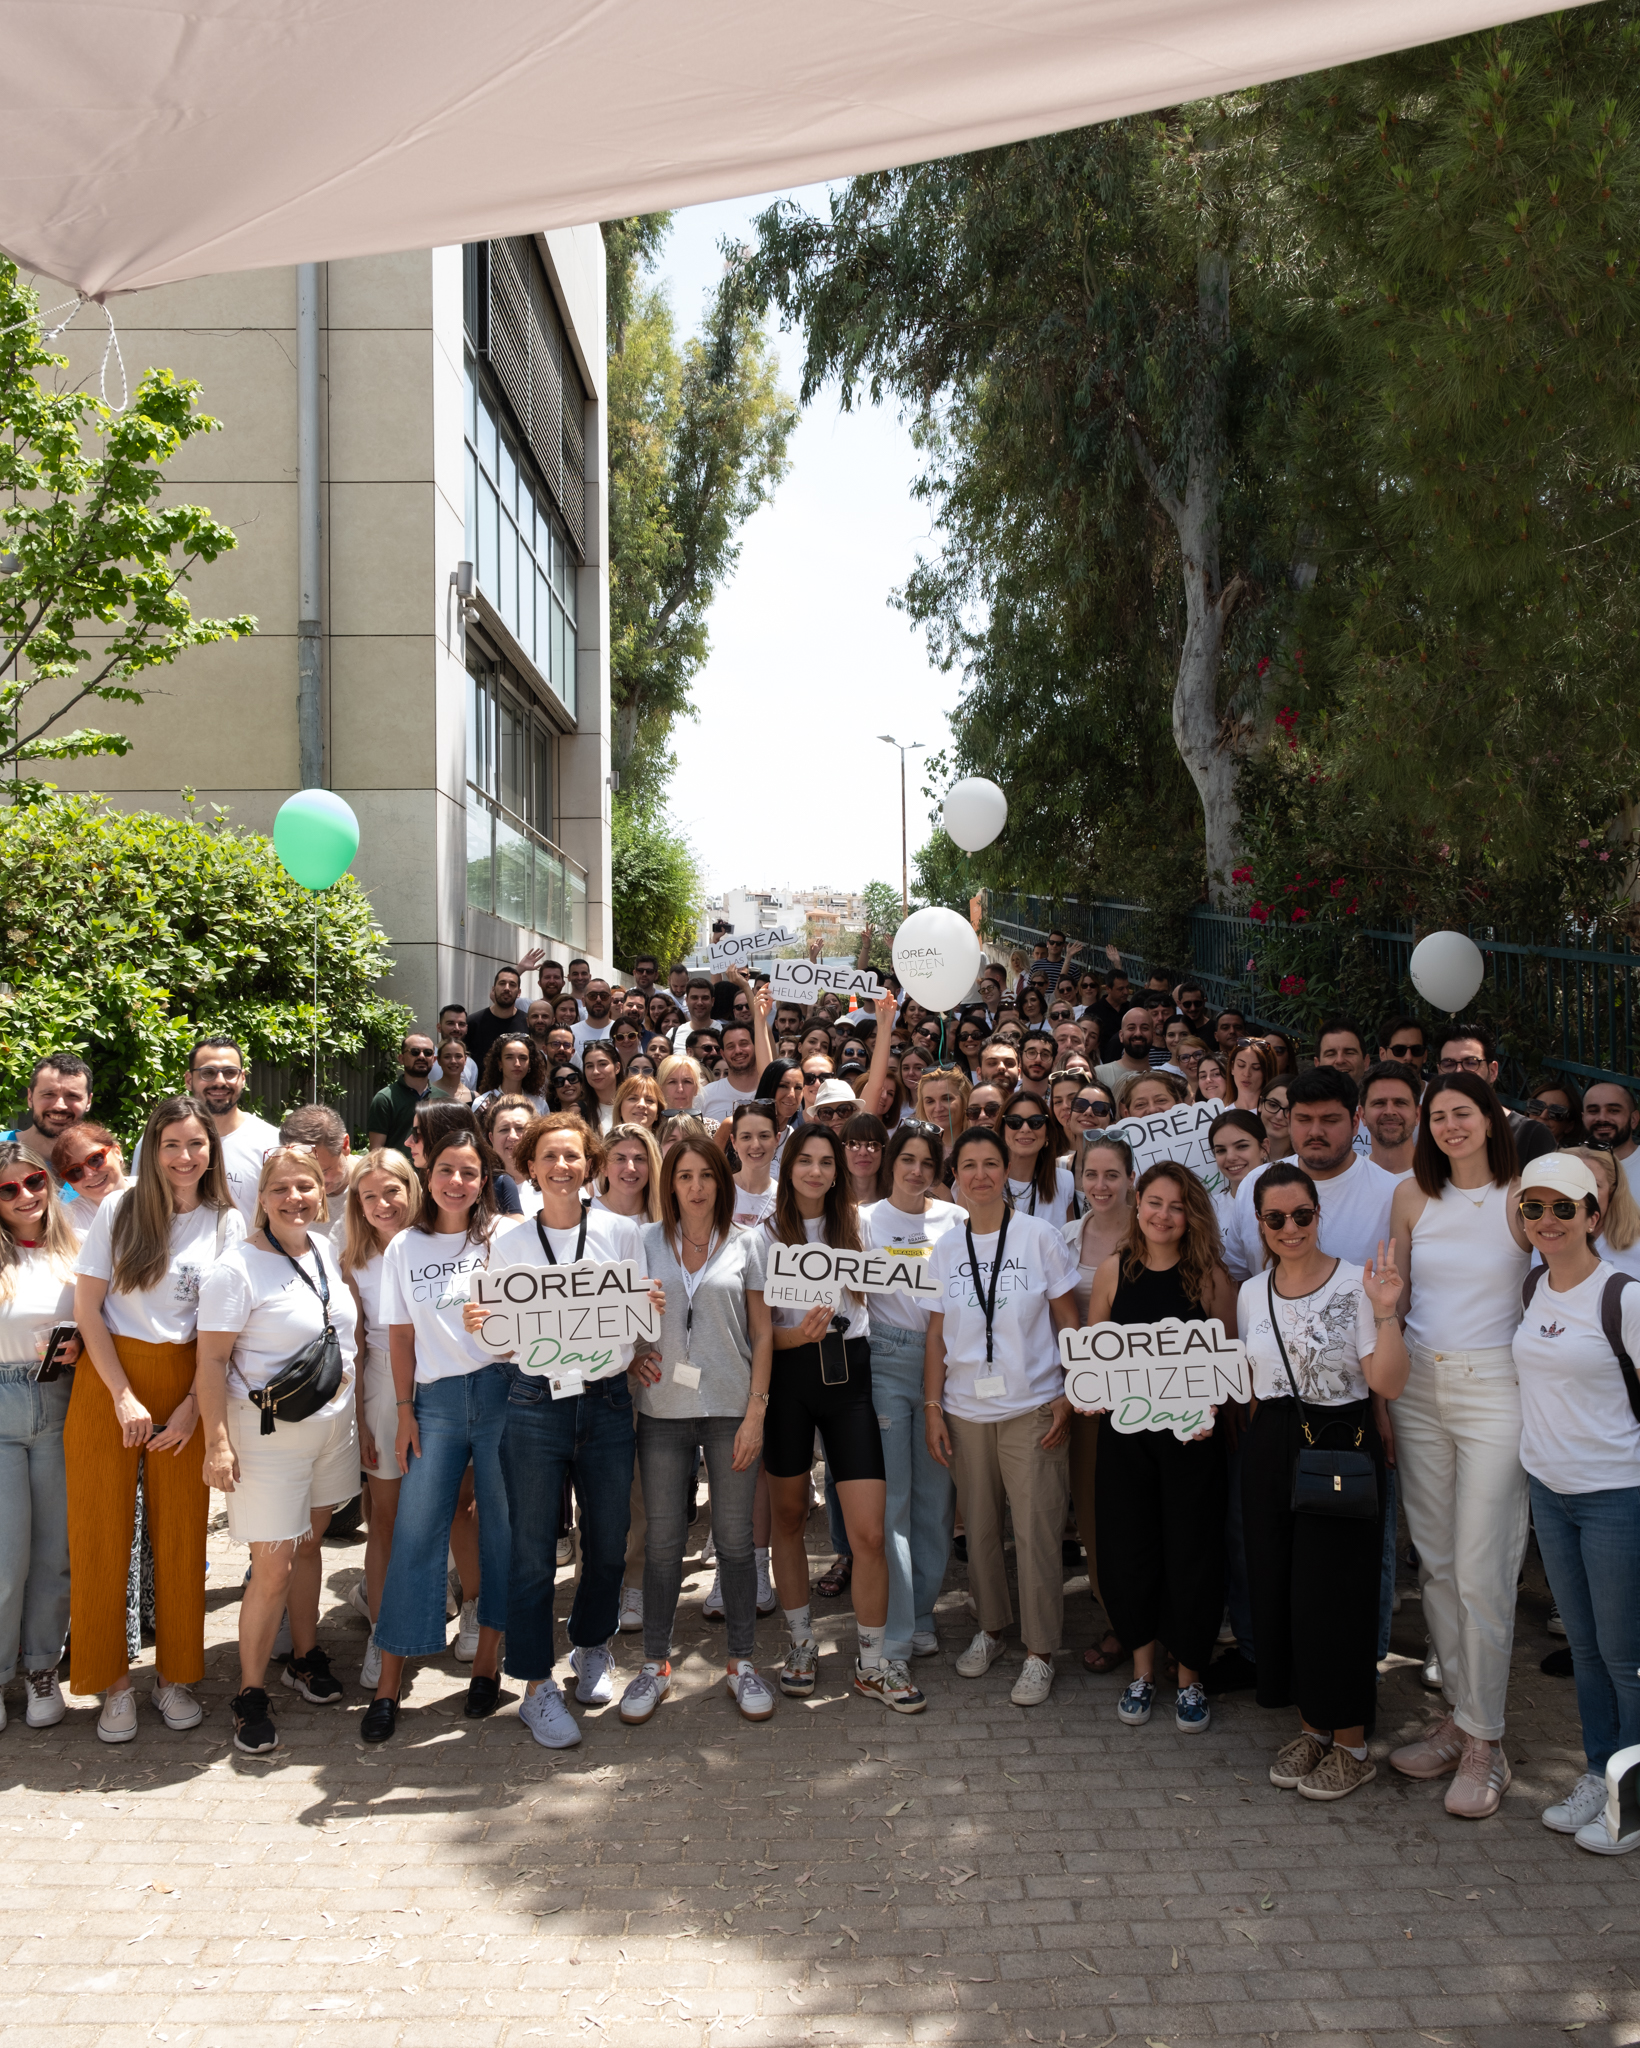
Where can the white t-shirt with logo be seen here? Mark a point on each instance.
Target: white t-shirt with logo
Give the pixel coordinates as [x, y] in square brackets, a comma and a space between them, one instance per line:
[1037, 1267]
[853, 1306]
[750, 1210]
[587, 1033]
[1354, 1214]
[168, 1312]
[1577, 1431]
[608, 1237]
[883, 1228]
[1327, 1334]
[722, 1098]
[243, 1152]
[425, 1277]
[276, 1314]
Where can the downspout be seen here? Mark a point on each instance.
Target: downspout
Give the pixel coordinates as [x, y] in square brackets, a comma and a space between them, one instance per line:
[309, 618]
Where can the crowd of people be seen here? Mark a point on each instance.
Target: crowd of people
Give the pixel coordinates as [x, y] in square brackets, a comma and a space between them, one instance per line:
[1431, 1289]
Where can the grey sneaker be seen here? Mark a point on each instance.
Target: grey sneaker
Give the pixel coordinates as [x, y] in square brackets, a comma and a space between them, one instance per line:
[891, 1683]
[645, 1693]
[798, 1673]
[46, 1706]
[594, 1670]
[750, 1691]
[1585, 1802]
[979, 1656]
[545, 1715]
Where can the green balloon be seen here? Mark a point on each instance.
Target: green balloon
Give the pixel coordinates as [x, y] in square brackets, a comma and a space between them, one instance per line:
[315, 836]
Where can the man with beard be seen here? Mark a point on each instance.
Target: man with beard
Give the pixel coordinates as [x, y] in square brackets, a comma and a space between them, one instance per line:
[599, 1006]
[1609, 1119]
[1135, 1055]
[59, 1097]
[740, 1072]
[1389, 1114]
[1354, 1194]
[1037, 1055]
[216, 1080]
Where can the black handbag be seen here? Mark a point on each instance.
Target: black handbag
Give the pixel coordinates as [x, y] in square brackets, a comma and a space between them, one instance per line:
[1325, 1481]
[305, 1383]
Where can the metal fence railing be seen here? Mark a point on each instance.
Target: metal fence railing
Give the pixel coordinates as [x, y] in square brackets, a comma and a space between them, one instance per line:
[1555, 1005]
[346, 1085]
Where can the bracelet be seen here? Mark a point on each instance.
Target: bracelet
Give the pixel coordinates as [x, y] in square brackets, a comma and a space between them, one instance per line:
[760, 1394]
[933, 1404]
[1380, 1321]
[404, 1404]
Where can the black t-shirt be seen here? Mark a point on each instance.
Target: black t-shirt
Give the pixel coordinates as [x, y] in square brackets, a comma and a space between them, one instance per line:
[1102, 1016]
[485, 1028]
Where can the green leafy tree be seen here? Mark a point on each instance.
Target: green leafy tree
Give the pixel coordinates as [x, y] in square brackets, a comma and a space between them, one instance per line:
[128, 934]
[698, 432]
[91, 596]
[658, 885]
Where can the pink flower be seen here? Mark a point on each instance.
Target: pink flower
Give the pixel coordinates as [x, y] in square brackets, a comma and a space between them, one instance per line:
[1338, 886]
[1260, 913]
[1605, 856]
[1292, 984]
[1252, 965]
[1286, 718]
[1264, 664]
[1300, 914]
[1241, 874]
[1582, 845]
[1349, 908]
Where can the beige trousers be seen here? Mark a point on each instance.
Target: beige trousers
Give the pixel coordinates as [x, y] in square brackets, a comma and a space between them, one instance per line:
[992, 1461]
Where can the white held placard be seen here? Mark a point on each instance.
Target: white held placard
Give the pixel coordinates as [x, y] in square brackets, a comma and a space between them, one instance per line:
[743, 946]
[569, 1321]
[804, 981]
[1167, 1375]
[1180, 1134]
[809, 1276]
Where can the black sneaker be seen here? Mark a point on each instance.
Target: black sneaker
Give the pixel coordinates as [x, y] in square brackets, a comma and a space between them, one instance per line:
[381, 1718]
[959, 1548]
[483, 1697]
[253, 1729]
[1229, 1672]
[311, 1677]
[1558, 1664]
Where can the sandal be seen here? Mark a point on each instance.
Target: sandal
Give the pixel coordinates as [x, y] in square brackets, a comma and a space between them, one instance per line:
[1102, 1657]
[831, 1585]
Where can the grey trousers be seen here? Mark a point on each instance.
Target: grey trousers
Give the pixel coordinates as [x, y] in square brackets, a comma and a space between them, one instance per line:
[666, 1459]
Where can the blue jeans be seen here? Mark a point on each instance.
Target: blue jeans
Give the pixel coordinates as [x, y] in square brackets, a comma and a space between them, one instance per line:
[921, 1503]
[461, 1421]
[588, 1437]
[1590, 1544]
[666, 1455]
[33, 1521]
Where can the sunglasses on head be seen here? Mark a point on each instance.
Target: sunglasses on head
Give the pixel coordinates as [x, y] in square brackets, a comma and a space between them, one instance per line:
[1278, 1219]
[1530, 1207]
[93, 1162]
[1025, 1123]
[30, 1184]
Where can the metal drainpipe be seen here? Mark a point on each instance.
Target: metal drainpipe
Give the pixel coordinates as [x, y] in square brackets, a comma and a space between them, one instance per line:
[309, 621]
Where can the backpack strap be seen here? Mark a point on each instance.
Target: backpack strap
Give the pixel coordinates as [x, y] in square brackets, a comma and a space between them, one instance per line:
[1611, 1323]
[1529, 1287]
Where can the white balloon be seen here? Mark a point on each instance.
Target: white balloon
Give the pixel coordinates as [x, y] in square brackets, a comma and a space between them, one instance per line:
[936, 956]
[1447, 969]
[975, 812]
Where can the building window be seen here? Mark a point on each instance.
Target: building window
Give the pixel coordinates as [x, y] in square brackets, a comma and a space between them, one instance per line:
[513, 869]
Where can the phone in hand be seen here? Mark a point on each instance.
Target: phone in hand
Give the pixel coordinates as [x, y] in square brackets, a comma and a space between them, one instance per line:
[53, 1363]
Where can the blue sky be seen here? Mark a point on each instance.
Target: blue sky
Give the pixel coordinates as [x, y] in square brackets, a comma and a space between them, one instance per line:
[809, 662]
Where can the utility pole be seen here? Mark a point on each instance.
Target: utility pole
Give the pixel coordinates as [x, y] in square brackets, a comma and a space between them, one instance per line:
[907, 747]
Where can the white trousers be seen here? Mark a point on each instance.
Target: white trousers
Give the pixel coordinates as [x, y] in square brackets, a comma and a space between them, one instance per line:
[1457, 1451]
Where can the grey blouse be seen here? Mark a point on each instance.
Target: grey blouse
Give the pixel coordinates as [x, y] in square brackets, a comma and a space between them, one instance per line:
[720, 1342]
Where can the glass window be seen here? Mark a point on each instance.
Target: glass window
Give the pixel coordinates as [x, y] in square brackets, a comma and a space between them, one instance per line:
[508, 479]
[486, 433]
[489, 545]
[471, 506]
[506, 596]
[479, 865]
[512, 873]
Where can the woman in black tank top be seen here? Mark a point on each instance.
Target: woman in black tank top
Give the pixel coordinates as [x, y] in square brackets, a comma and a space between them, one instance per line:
[1159, 1504]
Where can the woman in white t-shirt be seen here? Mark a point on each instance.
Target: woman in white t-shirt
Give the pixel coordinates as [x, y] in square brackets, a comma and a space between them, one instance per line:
[263, 1305]
[384, 1197]
[1037, 1184]
[90, 1162]
[921, 1505]
[1580, 1445]
[602, 1073]
[1329, 1330]
[1619, 1240]
[37, 1251]
[137, 1304]
[680, 1081]
[755, 1137]
[450, 1395]
[994, 1406]
[629, 1185]
[514, 1065]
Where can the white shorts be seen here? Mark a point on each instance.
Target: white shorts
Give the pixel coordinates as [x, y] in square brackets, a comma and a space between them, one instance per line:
[381, 1413]
[285, 1476]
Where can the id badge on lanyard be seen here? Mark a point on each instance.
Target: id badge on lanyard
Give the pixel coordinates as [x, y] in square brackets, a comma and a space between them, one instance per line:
[686, 1373]
[989, 1385]
[565, 1385]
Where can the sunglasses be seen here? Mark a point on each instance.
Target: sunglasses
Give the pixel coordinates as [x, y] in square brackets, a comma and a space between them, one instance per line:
[836, 1113]
[1025, 1123]
[1061, 1017]
[983, 1113]
[1090, 1105]
[93, 1162]
[1406, 1053]
[863, 1145]
[1531, 1208]
[30, 1184]
[1278, 1219]
[1549, 1112]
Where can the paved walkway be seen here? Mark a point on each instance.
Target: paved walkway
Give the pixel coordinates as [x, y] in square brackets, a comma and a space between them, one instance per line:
[840, 1875]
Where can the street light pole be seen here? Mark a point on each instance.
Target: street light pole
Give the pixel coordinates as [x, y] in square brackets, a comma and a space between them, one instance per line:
[908, 747]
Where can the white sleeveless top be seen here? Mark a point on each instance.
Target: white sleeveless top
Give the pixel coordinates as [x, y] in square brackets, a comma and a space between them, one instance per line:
[1466, 1273]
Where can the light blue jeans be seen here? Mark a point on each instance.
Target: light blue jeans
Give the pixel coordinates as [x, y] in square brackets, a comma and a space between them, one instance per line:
[921, 1503]
[1591, 1552]
[33, 1521]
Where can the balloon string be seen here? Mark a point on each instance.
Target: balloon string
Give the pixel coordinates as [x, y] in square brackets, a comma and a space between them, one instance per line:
[316, 995]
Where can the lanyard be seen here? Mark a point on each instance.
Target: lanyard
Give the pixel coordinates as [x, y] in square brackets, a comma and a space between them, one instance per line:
[323, 1288]
[987, 1302]
[692, 1280]
[1013, 1198]
[580, 1239]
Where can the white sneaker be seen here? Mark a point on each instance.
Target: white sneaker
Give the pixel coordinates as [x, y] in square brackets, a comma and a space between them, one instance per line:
[118, 1720]
[1585, 1802]
[45, 1699]
[177, 1706]
[545, 1715]
[565, 1553]
[1033, 1684]
[1595, 1838]
[631, 1614]
[282, 1645]
[712, 1607]
[467, 1632]
[452, 1588]
[1227, 1631]
[749, 1691]
[644, 1694]
[594, 1670]
[1555, 1625]
[370, 1671]
[924, 1643]
[767, 1598]
[979, 1656]
[358, 1599]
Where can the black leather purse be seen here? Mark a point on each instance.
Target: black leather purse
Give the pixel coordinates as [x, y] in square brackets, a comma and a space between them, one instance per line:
[304, 1384]
[1325, 1481]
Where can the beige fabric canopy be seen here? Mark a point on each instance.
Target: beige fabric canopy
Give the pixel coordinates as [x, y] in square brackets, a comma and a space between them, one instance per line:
[151, 140]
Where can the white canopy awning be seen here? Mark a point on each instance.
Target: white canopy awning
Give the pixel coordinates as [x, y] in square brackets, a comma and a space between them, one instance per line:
[152, 140]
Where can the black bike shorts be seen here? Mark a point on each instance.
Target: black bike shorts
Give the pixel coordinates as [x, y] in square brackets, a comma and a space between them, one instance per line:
[800, 1403]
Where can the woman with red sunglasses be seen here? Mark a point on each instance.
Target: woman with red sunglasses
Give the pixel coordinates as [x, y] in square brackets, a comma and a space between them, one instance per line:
[88, 1158]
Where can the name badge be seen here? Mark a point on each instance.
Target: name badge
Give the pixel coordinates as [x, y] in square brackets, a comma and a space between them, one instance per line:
[990, 1386]
[685, 1374]
[566, 1386]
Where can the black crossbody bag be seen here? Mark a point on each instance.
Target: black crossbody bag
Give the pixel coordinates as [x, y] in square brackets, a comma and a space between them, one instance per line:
[304, 1384]
[1326, 1482]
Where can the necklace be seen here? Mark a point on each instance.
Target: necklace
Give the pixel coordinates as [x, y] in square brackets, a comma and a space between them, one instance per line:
[1474, 1201]
[691, 1242]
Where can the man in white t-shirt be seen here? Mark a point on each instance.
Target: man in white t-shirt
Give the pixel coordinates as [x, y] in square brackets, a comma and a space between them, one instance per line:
[1354, 1194]
[1609, 1117]
[216, 1080]
[739, 1081]
[1389, 1115]
[599, 1016]
[317, 1126]
[698, 1001]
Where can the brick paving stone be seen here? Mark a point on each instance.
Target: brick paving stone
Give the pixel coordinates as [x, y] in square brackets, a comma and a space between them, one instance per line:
[977, 1874]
